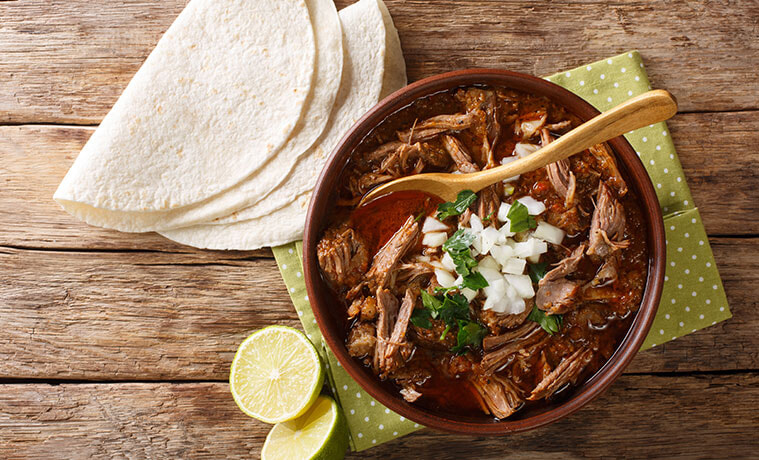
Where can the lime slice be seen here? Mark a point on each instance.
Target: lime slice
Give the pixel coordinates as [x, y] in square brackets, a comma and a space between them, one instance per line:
[276, 374]
[320, 434]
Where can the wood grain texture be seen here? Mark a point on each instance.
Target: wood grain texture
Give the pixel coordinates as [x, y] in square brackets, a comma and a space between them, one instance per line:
[639, 417]
[119, 316]
[67, 61]
[34, 159]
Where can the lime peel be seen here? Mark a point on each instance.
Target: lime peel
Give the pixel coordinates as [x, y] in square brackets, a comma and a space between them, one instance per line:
[319, 434]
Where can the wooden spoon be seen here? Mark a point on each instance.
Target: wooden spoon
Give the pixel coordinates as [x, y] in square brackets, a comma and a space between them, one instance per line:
[637, 112]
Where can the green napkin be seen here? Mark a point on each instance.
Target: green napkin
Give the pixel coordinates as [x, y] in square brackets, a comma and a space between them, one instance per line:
[693, 296]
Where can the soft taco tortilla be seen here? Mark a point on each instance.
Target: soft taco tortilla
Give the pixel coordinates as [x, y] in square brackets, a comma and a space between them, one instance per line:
[307, 170]
[364, 32]
[217, 98]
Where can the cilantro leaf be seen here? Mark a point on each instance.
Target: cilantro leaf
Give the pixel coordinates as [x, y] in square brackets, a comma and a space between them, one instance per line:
[454, 307]
[550, 323]
[431, 303]
[520, 218]
[420, 317]
[537, 271]
[443, 290]
[459, 241]
[464, 199]
[474, 281]
[470, 335]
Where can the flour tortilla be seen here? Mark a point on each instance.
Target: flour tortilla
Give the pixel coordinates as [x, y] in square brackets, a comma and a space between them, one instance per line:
[364, 32]
[307, 170]
[216, 99]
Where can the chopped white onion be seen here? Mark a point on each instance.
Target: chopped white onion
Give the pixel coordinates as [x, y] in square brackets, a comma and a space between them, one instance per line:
[522, 284]
[475, 223]
[507, 160]
[522, 149]
[421, 258]
[534, 207]
[489, 262]
[548, 232]
[434, 239]
[444, 278]
[516, 306]
[501, 253]
[529, 248]
[514, 266]
[533, 259]
[448, 263]
[503, 212]
[497, 287]
[438, 264]
[433, 225]
[490, 274]
[506, 230]
[490, 237]
[470, 294]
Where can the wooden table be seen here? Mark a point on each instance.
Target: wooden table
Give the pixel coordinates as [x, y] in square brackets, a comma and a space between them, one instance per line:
[118, 345]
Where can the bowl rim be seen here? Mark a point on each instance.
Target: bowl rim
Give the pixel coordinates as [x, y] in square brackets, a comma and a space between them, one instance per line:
[636, 175]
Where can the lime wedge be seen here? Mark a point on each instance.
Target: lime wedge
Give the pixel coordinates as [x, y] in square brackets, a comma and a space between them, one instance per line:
[320, 434]
[276, 374]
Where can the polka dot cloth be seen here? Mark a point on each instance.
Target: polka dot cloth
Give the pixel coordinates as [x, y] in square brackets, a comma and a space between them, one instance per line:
[693, 297]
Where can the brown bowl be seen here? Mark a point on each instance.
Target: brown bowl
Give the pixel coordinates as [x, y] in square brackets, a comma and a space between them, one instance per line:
[330, 313]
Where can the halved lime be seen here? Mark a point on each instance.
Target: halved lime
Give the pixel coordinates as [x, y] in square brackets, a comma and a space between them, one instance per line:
[320, 434]
[276, 374]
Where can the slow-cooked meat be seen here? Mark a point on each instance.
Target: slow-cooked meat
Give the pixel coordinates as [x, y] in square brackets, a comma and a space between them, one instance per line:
[495, 359]
[413, 304]
[434, 126]
[559, 174]
[366, 307]
[608, 271]
[558, 296]
[458, 153]
[492, 342]
[342, 256]
[566, 266]
[387, 306]
[390, 356]
[361, 340]
[409, 271]
[497, 322]
[566, 372]
[608, 225]
[385, 261]
[608, 168]
[488, 203]
[501, 397]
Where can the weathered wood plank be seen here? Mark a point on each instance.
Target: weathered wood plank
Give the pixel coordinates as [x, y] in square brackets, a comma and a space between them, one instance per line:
[69, 63]
[122, 316]
[640, 417]
[132, 315]
[33, 160]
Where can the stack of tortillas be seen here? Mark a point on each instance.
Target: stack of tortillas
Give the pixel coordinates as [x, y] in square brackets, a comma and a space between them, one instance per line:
[218, 140]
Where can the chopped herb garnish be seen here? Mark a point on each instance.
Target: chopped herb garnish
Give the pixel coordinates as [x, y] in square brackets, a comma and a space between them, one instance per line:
[445, 332]
[520, 218]
[464, 199]
[488, 217]
[537, 271]
[419, 217]
[550, 323]
[470, 335]
[455, 307]
[459, 241]
[474, 281]
[443, 290]
[431, 302]
[420, 317]
[457, 246]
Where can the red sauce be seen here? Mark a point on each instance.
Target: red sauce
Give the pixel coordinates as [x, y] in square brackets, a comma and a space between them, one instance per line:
[378, 220]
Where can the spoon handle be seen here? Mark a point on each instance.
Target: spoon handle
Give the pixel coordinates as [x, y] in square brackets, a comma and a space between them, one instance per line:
[637, 112]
